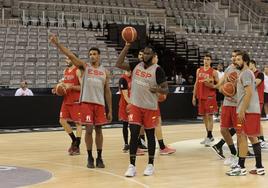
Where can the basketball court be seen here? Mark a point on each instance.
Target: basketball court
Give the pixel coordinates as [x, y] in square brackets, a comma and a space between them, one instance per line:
[43, 155]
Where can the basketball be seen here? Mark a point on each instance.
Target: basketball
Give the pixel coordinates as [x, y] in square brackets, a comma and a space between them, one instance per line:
[129, 34]
[162, 98]
[60, 90]
[232, 77]
[228, 89]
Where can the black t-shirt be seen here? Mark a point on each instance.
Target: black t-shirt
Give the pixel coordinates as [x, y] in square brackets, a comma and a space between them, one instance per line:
[260, 76]
[160, 73]
[123, 85]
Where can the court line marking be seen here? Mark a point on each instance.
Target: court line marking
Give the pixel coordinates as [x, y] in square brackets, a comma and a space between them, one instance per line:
[71, 166]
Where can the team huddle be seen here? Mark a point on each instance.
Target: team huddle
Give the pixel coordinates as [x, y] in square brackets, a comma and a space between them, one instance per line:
[241, 109]
[142, 87]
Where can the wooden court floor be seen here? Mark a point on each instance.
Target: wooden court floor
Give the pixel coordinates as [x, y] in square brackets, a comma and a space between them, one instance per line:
[192, 166]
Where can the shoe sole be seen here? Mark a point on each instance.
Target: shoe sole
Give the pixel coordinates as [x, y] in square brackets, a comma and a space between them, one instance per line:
[255, 173]
[167, 153]
[90, 166]
[236, 174]
[100, 166]
[130, 176]
[147, 174]
[74, 153]
[217, 153]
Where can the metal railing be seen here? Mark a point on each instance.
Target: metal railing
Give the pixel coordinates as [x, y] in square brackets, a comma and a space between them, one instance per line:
[253, 19]
[8, 22]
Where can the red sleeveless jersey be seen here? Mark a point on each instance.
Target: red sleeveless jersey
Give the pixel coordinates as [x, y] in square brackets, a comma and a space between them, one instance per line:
[70, 77]
[123, 102]
[203, 92]
[260, 87]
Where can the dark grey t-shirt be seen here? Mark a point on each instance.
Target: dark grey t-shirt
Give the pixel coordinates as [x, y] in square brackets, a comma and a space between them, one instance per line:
[247, 78]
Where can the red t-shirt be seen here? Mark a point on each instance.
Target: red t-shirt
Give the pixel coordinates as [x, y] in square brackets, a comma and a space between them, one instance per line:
[203, 92]
[260, 87]
[70, 77]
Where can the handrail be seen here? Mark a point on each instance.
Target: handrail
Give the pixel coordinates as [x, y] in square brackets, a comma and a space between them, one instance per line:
[214, 8]
[252, 11]
[9, 22]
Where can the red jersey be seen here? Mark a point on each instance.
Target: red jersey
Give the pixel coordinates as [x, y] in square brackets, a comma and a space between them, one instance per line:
[203, 92]
[123, 102]
[260, 87]
[70, 77]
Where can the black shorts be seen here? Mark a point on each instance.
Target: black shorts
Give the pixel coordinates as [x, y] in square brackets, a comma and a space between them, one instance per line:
[265, 97]
[219, 96]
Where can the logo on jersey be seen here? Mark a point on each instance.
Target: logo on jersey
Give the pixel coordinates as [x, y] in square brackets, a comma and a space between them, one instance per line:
[130, 117]
[95, 72]
[88, 118]
[142, 74]
[68, 77]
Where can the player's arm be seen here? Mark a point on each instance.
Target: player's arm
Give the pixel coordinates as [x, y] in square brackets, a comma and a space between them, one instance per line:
[220, 82]
[120, 63]
[108, 96]
[75, 60]
[259, 79]
[215, 79]
[245, 103]
[195, 87]
[161, 81]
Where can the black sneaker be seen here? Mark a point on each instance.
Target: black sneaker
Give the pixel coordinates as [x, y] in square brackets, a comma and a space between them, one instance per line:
[126, 148]
[250, 155]
[90, 162]
[99, 163]
[75, 151]
[218, 151]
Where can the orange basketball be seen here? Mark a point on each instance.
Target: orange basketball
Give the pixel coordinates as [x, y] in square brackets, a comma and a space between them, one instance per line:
[60, 90]
[232, 77]
[162, 98]
[228, 89]
[129, 34]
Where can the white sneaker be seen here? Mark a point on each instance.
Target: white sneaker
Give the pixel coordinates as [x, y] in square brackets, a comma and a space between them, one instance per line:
[231, 160]
[203, 141]
[257, 171]
[131, 171]
[208, 142]
[149, 170]
[237, 171]
[264, 145]
[235, 162]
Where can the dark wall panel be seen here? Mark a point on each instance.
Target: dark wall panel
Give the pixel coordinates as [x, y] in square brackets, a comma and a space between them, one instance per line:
[43, 111]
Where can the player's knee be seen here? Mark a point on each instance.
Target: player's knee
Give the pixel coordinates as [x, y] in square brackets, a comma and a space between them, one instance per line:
[98, 130]
[224, 131]
[62, 121]
[89, 129]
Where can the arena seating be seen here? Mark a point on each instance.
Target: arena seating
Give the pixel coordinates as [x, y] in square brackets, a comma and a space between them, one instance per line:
[26, 54]
[220, 44]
